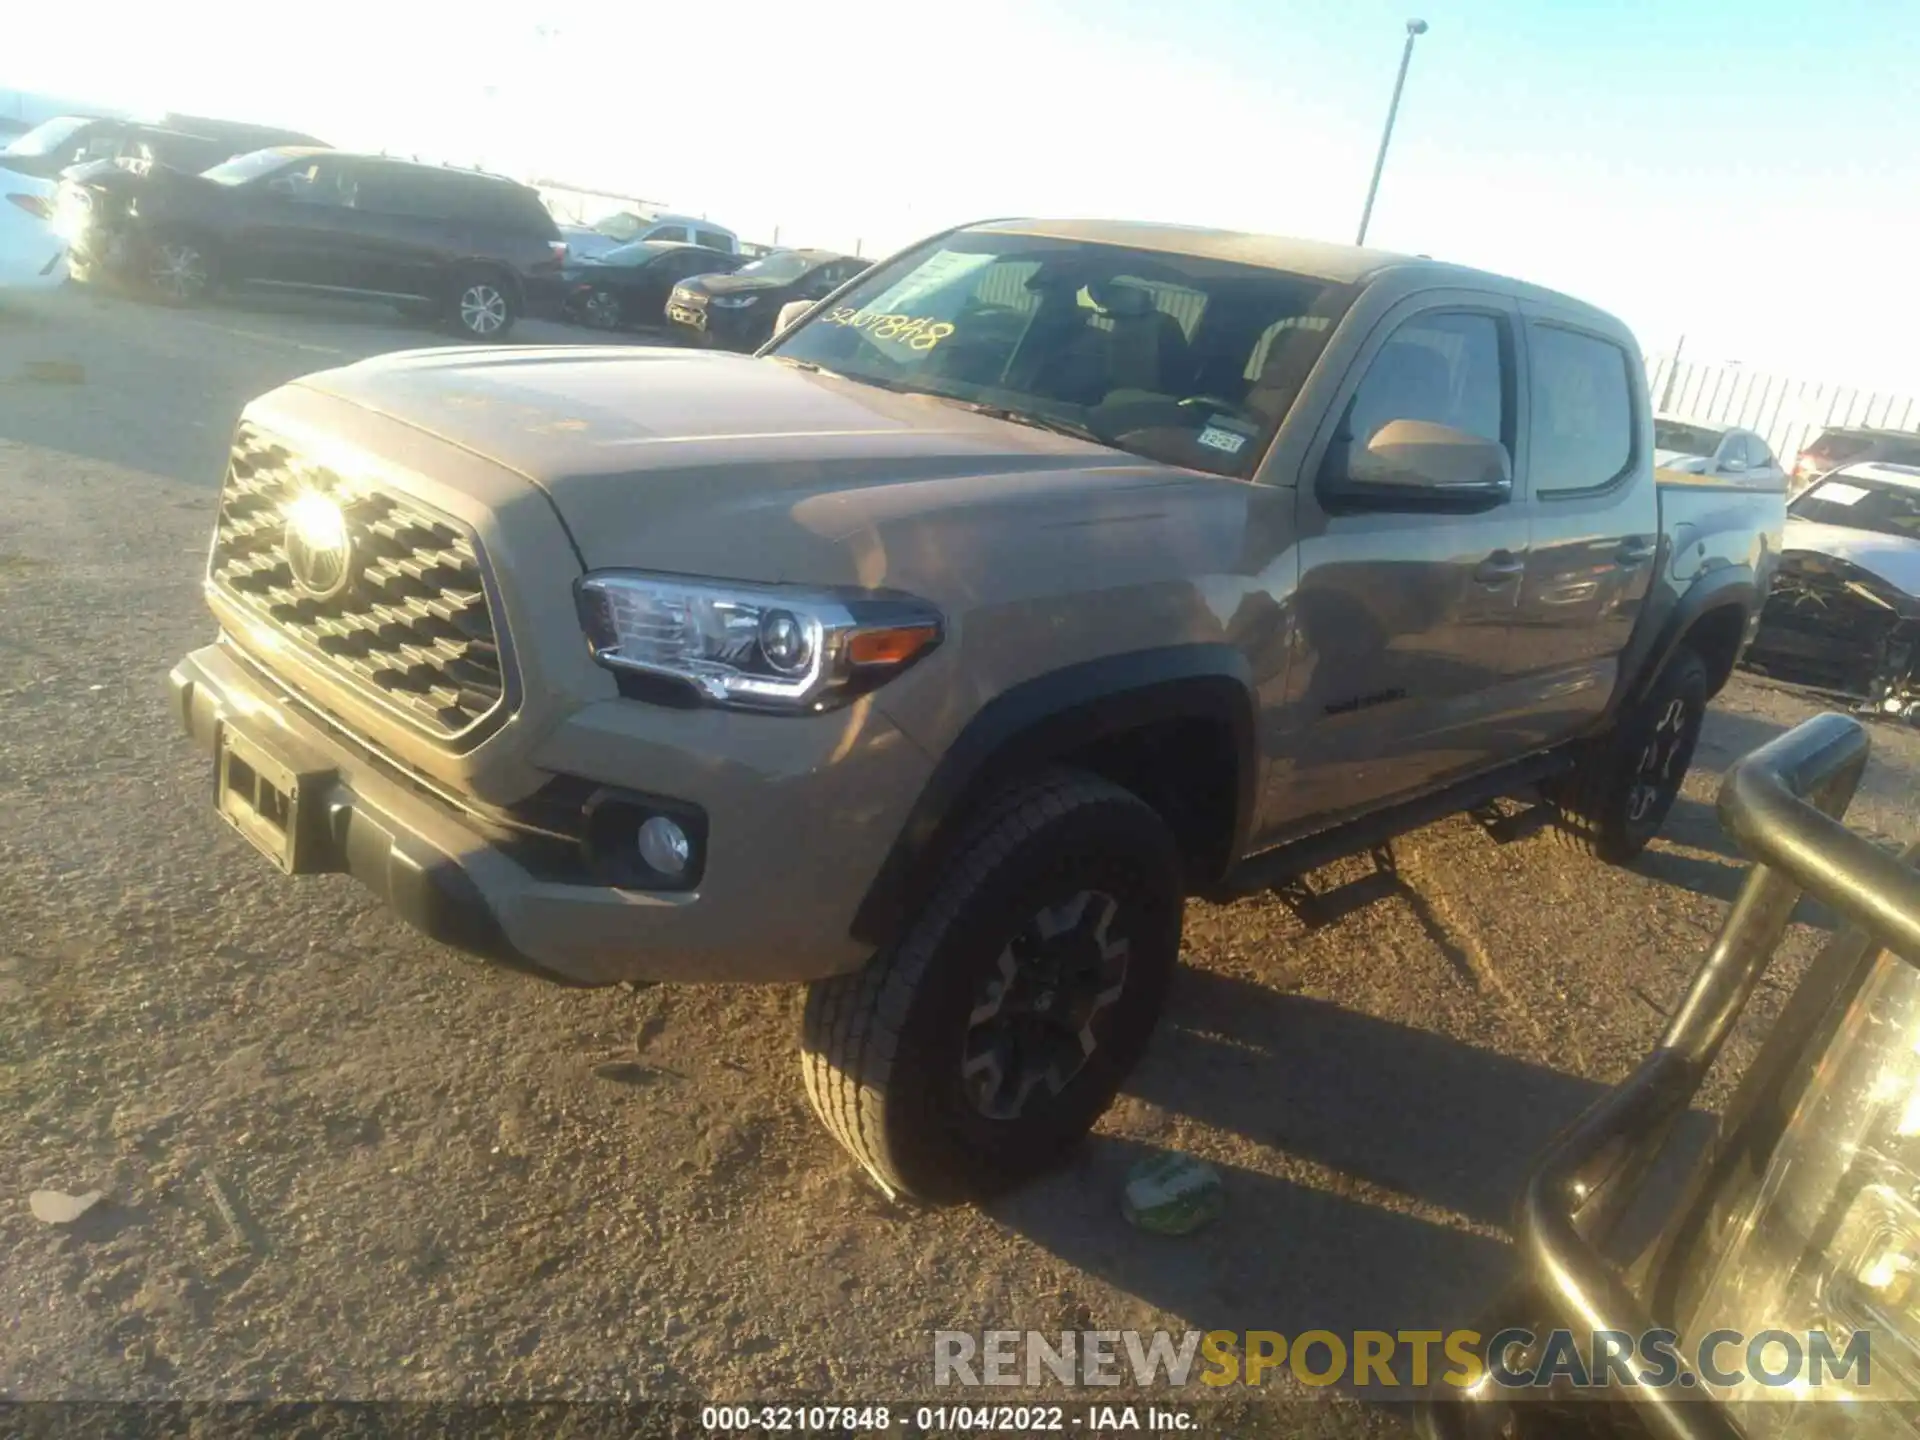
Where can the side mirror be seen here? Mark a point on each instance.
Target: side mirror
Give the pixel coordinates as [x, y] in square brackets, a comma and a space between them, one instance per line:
[790, 312]
[1732, 465]
[1419, 465]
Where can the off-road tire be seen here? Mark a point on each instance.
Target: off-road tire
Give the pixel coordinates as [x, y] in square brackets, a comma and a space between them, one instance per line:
[1595, 801]
[882, 1048]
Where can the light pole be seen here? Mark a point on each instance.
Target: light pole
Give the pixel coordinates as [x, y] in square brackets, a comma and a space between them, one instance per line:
[1414, 28]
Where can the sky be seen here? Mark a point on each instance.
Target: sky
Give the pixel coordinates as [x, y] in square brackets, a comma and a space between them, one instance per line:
[1745, 175]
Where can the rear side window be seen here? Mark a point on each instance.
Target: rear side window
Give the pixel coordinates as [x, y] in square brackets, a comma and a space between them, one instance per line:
[713, 239]
[1836, 446]
[1582, 430]
[676, 233]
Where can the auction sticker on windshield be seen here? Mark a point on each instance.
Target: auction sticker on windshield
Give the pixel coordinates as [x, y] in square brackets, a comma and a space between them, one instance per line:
[921, 332]
[1837, 492]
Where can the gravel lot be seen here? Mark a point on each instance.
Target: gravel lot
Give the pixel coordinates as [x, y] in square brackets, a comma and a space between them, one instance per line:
[344, 1162]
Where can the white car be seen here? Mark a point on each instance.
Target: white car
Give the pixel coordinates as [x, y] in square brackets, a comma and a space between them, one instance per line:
[589, 242]
[32, 255]
[1687, 448]
[1843, 614]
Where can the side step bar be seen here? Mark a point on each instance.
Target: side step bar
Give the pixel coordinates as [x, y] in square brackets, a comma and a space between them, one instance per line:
[1367, 832]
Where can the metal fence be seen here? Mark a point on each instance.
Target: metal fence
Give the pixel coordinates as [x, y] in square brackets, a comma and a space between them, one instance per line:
[1787, 412]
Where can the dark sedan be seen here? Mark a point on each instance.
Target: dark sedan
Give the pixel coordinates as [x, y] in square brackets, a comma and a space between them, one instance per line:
[739, 311]
[628, 286]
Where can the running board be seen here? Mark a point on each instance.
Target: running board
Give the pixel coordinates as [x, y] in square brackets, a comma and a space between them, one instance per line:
[1370, 831]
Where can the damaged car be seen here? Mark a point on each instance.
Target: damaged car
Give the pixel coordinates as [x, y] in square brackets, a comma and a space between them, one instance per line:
[1843, 616]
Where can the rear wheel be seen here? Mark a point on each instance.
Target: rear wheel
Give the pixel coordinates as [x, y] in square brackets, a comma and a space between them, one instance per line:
[484, 305]
[1624, 783]
[979, 1049]
[179, 270]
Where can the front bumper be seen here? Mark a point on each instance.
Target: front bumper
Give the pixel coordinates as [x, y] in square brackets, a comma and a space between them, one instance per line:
[761, 912]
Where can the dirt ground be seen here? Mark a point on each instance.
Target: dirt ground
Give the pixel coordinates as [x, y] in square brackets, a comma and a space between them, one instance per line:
[343, 1162]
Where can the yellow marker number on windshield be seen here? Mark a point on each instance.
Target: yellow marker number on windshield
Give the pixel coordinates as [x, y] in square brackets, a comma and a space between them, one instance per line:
[917, 333]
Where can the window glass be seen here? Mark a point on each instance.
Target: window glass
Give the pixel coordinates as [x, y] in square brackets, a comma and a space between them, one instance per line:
[1144, 351]
[1758, 455]
[317, 182]
[1442, 368]
[1683, 439]
[1582, 432]
[1859, 503]
[713, 239]
[1733, 453]
[668, 232]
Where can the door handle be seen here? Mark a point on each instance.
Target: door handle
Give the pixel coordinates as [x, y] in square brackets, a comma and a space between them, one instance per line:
[1635, 553]
[1500, 567]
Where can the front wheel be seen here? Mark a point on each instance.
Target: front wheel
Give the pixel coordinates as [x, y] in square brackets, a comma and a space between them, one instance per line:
[484, 307]
[601, 310]
[179, 271]
[1624, 783]
[981, 1047]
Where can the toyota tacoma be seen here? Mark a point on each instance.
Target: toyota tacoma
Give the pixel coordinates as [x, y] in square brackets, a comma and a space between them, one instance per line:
[1043, 576]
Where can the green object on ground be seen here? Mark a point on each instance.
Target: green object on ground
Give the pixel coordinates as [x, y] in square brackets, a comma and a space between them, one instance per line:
[1173, 1194]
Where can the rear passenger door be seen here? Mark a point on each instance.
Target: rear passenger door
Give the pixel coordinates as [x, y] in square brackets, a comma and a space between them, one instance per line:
[1402, 617]
[1594, 519]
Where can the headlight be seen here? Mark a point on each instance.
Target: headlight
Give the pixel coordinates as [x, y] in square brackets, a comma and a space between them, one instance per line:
[1830, 1240]
[734, 302]
[753, 647]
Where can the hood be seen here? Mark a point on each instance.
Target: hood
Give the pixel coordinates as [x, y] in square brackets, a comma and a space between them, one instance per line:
[711, 463]
[43, 167]
[1889, 557]
[725, 283]
[1680, 461]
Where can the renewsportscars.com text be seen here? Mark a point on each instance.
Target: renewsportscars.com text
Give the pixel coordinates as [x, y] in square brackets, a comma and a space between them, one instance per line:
[1795, 1364]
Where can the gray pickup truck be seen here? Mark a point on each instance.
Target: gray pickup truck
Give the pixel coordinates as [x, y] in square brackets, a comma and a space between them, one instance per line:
[1046, 575]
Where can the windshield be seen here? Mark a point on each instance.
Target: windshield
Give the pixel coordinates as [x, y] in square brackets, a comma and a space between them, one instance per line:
[1686, 439]
[242, 168]
[46, 138]
[1191, 361]
[777, 269]
[622, 227]
[638, 253]
[1861, 504]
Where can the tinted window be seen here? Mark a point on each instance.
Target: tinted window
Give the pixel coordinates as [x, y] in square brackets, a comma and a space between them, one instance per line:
[1582, 430]
[1087, 338]
[1443, 368]
[668, 232]
[1836, 446]
[1733, 454]
[1684, 439]
[318, 182]
[1862, 504]
[1758, 455]
[712, 239]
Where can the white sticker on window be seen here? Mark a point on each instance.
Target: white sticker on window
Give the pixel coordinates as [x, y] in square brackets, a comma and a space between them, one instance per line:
[1218, 437]
[1838, 493]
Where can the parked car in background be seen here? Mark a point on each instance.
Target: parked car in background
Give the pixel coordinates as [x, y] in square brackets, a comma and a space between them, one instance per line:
[21, 110]
[628, 286]
[1844, 614]
[462, 246]
[740, 311]
[589, 242]
[32, 254]
[183, 141]
[1687, 448]
[1839, 445]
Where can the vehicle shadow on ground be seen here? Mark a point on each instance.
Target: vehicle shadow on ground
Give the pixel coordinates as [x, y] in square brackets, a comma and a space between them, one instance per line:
[1365, 1103]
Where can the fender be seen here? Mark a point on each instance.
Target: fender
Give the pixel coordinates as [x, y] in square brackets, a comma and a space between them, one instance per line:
[1730, 587]
[1056, 714]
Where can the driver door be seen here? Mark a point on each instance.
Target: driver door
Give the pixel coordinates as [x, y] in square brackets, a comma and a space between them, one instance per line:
[297, 225]
[1401, 619]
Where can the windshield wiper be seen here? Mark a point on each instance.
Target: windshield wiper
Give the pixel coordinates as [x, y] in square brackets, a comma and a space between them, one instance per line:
[1024, 417]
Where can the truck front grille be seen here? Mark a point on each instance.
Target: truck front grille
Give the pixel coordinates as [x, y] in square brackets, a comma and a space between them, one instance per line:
[399, 611]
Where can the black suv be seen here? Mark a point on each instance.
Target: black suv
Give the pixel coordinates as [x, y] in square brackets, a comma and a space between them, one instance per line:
[739, 311]
[469, 248]
[186, 142]
[1839, 445]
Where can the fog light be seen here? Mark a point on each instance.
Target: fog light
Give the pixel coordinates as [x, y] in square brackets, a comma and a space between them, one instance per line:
[664, 845]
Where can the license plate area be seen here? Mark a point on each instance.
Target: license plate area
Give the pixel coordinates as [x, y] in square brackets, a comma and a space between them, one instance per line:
[273, 799]
[695, 318]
